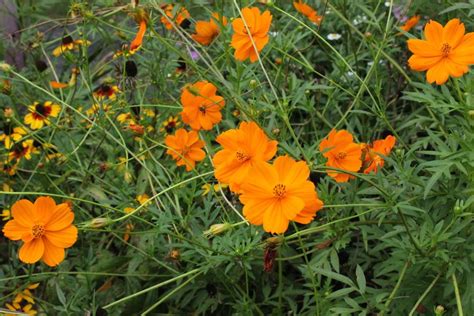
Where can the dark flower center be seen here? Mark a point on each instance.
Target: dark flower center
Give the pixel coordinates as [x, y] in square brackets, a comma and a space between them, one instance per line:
[202, 109]
[67, 40]
[7, 129]
[42, 110]
[279, 191]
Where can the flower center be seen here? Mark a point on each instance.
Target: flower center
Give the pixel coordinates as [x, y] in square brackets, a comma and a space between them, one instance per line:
[279, 191]
[202, 109]
[242, 156]
[42, 110]
[37, 231]
[341, 155]
[445, 49]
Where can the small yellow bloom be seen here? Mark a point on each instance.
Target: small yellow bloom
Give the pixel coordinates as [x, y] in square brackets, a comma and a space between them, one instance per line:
[143, 198]
[68, 44]
[6, 215]
[10, 135]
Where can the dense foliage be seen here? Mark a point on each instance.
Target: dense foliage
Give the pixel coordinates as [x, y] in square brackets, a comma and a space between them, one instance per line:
[158, 237]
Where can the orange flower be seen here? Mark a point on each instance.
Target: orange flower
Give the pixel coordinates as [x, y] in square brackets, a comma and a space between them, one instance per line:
[185, 148]
[242, 149]
[258, 25]
[308, 12]
[207, 31]
[447, 51]
[342, 153]
[137, 41]
[201, 105]
[58, 85]
[373, 161]
[181, 15]
[45, 229]
[410, 23]
[40, 114]
[274, 195]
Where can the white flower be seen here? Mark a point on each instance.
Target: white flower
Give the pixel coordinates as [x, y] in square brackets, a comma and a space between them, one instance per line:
[273, 33]
[359, 19]
[387, 4]
[333, 36]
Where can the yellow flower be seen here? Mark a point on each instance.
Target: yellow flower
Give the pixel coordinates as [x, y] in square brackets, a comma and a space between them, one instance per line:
[215, 188]
[40, 114]
[96, 108]
[125, 118]
[23, 150]
[143, 198]
[170, 124]
[6, 215]
[10, 135]
[128, 209]
[68, 44]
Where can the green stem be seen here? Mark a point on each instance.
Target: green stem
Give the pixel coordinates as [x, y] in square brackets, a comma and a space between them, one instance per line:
[395, 289]
[425, 293]
[458, 296]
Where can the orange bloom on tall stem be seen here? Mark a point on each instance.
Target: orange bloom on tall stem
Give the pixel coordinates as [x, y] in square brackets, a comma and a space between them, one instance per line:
[307, 11]
[242, 148]
[178, 18]
[45, 228]
[342, 153]
[274, 195]
[447, 51]
[207, 31]
[258, 25]
[137, 41]
[410, 23]
[373, 160]
[201, 105]
[185, 148]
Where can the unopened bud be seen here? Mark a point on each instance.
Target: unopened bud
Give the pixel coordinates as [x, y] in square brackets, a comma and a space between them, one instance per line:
[217, 229]
[439, 310]
[253, 83]
[98, 222]
[5, 67]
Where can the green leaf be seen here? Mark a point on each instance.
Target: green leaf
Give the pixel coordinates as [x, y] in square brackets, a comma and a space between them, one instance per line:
[361, 283]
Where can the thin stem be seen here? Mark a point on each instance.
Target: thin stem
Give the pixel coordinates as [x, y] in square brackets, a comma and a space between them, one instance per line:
[425, 293]
[412, 239]
[458, 296]
[395, 289]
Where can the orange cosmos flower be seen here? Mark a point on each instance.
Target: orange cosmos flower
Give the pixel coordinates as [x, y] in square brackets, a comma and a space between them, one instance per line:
[274, 195]
[308, 12]
[342, 153]
[242, 149]
[45, 228]
[258, 25]
[447, 51]
[185, 148]
[207, 31]
[373, 160]
[201, 105]
[181, 15]
[410, 23]
[137, 41]
[40, 114]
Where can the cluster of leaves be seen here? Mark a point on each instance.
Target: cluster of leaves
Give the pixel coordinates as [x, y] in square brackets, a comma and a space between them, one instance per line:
[396, 242]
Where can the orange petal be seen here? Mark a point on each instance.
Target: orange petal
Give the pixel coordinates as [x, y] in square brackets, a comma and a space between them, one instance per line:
[274, 220]
[61, 218]
[438, 73]
[58, 85]
[52, 255]
[453, 32]
[23, 212]
[44, 207]
[14, 231]
[64, 238]
[434, 32]
[32, 251]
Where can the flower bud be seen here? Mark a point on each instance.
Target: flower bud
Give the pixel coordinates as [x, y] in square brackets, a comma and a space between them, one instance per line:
[98, 222]
[439, 310]
[217, 229]
[253, 83]
[5, 67]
